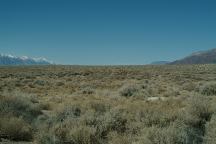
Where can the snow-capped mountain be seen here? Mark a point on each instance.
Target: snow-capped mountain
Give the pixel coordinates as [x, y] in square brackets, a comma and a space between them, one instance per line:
[24, 60]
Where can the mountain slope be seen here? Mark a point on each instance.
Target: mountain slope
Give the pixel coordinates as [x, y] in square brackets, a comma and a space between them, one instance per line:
[13, 60]
[205, 57]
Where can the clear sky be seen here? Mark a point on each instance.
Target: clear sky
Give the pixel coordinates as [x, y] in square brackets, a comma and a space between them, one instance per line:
[107, 31]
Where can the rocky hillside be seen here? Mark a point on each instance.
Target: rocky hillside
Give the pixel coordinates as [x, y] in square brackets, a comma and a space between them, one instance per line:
[204, 57]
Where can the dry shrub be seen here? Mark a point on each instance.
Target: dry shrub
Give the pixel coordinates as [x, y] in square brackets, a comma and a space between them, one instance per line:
[115, 121]
[40, 82]
[17, 113]
[88, 91]
[68, 112]
[15, 129]
[176, 133]
[18, 105]
[60, 83]
[197, 113]
[129, 90]
[189, 86]
[82, 135]
[133, 89]
[198, 110]
[208, 89]
[112, 121]
[210, 132]
[88, 128]
[160, 113]
[100, 107]
[70, 131]
[115, 138]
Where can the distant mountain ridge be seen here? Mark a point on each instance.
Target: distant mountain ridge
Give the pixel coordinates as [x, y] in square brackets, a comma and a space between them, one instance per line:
[160, 62]
[24, 60]
[203, 57]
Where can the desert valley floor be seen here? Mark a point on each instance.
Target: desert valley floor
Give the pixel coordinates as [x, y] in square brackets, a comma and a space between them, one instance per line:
[108, 104]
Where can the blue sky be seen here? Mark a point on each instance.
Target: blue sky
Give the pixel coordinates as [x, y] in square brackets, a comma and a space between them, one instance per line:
[107, 31]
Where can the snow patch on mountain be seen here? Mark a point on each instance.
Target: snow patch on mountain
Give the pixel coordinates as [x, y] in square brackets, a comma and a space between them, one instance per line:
[8, 59]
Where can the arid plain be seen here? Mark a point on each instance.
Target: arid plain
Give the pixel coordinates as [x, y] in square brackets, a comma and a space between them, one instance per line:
[108, 104]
